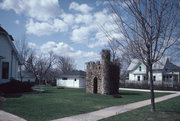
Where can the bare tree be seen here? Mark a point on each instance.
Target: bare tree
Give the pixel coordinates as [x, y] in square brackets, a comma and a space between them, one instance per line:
[40, 66]
[24, 51]
[31, 64]
[149, 27]
[65, 64]
[177, 46]
[114, 48]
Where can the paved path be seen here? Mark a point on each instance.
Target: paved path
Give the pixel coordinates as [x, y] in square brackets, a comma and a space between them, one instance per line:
[4, 116]
[111, 111]
[147, 90]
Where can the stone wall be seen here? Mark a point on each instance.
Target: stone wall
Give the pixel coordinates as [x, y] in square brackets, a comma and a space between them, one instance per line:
[102, 77]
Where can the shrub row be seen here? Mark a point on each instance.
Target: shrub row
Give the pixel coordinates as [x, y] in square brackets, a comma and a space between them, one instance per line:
[146, 86]
[15, 86]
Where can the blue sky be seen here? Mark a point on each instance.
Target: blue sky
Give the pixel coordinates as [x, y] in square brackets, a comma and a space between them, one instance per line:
[66, 27]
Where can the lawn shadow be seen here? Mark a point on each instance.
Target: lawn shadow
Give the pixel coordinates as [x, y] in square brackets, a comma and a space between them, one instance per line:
[129, 93]
[121, 94]
[40, 91]
[17, 95]
[12, 95]
[168, 111]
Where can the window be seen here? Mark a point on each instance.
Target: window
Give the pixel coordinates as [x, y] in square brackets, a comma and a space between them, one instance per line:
[164, 78]
[64, 78]
[138, 78]
[139, 68]
[144, 78]
[154, 78]
[5, 70]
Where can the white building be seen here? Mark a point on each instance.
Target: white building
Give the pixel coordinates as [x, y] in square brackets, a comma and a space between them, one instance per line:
[75, 79]
[164, 72]
[9, 59]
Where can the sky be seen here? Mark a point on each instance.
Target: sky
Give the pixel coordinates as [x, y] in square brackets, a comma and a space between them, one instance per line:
[66, 27]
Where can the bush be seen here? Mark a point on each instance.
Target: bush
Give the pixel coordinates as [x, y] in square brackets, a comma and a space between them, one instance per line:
[147, 86]
[60, 87]
[15, 86]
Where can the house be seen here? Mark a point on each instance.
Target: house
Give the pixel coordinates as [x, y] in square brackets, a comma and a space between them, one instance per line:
[75, 79]
[9, 58]
[26, 77]
[164, 72]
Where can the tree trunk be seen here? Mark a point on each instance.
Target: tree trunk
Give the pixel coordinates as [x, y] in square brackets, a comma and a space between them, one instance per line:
[147, 74]
[151, 87]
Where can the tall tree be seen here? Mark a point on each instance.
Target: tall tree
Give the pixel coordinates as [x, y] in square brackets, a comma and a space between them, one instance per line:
[65, 64]
[41, 65]
[114, 48]
[24, 52]
[149, 28]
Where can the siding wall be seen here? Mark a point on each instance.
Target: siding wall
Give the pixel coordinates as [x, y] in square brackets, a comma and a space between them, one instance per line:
[6, 51]
[70, 82]
[133, 75]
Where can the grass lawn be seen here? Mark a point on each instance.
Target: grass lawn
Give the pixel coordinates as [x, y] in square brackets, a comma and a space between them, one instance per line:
[168, 110]
[58, 103]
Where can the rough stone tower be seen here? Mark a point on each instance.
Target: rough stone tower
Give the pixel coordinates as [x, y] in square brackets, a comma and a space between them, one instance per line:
[102, 77]
[105, 71]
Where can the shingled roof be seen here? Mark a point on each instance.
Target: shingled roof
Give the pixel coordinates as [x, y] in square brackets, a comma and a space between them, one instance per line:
[10, 39]
[74, 73]
[164, 61]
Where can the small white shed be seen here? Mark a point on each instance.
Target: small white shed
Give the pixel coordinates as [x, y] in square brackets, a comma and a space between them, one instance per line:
[75, 79]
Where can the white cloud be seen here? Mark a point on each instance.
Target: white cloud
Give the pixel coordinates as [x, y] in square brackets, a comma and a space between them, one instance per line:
[82, 34]
[103, 2]
[17, 22]
[32, 45]
[102, 40]
[68, 18]
[58, 48]
[84, 18]
[84, 8]
[39, 9]
[90, 28]
[63, 49]
[45, 28]
[45, 18]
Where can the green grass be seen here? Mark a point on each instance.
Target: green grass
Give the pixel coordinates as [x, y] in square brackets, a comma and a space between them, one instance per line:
[58, 103]
[166, 111]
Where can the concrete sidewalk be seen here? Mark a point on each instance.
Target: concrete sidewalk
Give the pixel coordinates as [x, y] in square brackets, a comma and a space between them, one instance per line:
[111, 111]
[147, 90]
[4, 116]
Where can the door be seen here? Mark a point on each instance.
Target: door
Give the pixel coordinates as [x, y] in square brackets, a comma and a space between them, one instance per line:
[95, 85]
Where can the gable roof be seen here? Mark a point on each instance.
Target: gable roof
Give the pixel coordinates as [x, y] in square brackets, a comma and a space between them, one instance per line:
[74, 73]
[172, 66]
[10, 39]
[133, 65]
[159, 65]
